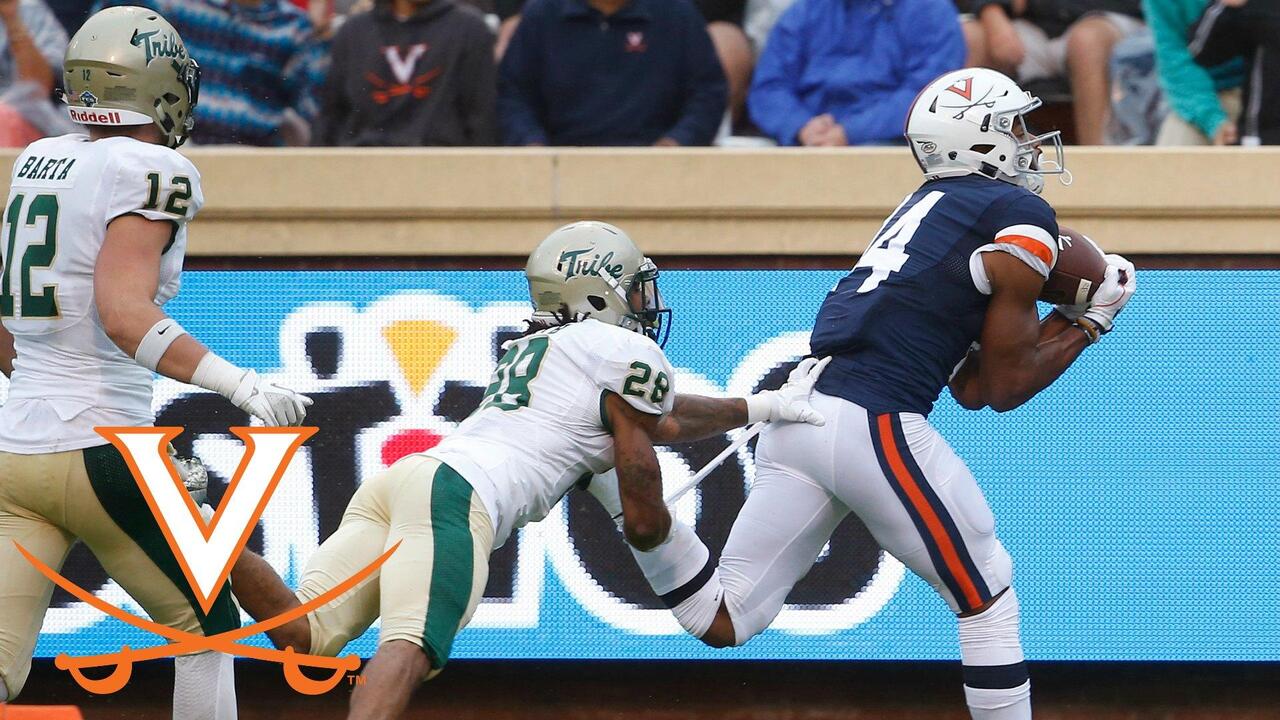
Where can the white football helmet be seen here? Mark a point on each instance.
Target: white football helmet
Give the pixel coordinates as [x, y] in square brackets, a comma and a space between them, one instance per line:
[974, 121]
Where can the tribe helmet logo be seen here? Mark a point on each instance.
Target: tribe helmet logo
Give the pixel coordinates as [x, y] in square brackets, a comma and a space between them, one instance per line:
[575, 264]
[206, 552]
[166, 46]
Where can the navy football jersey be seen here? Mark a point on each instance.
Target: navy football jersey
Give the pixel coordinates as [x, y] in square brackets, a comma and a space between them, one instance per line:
[902, 320]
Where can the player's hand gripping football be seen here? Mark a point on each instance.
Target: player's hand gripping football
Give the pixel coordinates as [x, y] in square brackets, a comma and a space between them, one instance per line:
[790, 403]
[275, 405]
[1119, 284]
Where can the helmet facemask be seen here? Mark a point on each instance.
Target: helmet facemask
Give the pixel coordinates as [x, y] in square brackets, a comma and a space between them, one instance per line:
[647, 311]
[647, 304]
[189, 74]
[1031, 165]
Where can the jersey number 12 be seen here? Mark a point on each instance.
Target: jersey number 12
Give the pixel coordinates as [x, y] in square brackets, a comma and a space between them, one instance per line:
[42, 304]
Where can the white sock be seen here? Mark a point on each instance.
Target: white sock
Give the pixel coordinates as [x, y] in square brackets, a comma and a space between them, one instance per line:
[996, 686]
[4, 691]
[681, 572]
[204, 687]
[1001, 704]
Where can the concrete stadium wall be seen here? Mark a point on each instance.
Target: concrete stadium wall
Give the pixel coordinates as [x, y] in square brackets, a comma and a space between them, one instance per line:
[703, 202]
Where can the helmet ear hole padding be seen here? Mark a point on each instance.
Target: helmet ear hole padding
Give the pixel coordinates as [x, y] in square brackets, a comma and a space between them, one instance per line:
[597, 302]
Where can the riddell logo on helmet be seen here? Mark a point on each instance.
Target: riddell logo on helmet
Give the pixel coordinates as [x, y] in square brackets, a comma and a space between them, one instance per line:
[96, 117]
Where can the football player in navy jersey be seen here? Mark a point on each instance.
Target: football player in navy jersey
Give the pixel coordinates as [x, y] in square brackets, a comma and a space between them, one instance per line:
[955, 268]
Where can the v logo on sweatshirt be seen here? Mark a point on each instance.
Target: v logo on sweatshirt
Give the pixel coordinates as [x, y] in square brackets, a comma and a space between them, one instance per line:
[402, 65]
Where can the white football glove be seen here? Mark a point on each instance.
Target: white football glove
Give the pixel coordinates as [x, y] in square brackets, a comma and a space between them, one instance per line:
[275, 405]
[1118, 285]
[790, 403]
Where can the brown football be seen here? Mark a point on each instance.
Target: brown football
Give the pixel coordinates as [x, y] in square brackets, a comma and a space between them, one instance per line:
[1079, 271]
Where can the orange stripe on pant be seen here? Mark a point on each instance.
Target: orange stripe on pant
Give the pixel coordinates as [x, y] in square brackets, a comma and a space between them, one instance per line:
[922, 506]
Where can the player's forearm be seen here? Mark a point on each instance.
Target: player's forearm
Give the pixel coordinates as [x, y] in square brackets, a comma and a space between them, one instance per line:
[264, 595]
[127, 324]
[1046, 364]
[645, 519]
[29, 63]
[696, 417]
[966, 384]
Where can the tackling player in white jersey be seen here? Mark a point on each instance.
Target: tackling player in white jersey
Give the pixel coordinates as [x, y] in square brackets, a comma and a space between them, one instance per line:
[586, 390]
[94, 233]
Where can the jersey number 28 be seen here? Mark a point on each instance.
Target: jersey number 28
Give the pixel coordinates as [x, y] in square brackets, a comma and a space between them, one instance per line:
[510, 387]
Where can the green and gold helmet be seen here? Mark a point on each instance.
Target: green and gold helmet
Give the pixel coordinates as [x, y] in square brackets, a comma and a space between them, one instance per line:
[128, 66]
[592, 269]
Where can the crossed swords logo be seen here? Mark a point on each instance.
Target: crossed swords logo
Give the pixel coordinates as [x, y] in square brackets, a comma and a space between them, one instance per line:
[181, 642]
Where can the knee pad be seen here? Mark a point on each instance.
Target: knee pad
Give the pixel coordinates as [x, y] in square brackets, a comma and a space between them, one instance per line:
[327, 635]
[991, 647]
[749, 620]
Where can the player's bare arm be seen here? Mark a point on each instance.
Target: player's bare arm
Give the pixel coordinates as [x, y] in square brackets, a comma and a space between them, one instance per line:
[696, 417]
[263, 594]
[645, 520]
[966, 386]
[1016, 364]
[125, 281]
[126, 277]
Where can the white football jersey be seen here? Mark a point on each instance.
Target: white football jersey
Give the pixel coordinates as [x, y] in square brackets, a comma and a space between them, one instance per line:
[68, 376]
[540, 428]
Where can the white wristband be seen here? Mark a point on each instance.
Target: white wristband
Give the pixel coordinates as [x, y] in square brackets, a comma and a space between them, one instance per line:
[214, 373]
[759, 406]
[156, 342]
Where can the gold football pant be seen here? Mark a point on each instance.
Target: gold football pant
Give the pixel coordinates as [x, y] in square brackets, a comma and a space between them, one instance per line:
[47, 503]
[430, 586]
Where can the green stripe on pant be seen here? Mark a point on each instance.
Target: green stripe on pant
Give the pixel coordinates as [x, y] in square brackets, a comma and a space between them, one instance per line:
[452, 566]
[122, 499]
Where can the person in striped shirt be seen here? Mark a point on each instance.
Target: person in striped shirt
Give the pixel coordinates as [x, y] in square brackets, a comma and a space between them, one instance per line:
[262, 65]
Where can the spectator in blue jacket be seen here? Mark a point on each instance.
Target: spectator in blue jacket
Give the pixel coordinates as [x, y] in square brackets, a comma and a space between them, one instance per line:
[610, 72]
[845, 72]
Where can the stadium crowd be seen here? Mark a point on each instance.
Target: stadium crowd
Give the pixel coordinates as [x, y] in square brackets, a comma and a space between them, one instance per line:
[673, 72]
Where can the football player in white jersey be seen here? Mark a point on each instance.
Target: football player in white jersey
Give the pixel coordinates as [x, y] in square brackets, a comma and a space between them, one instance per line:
[586, 390]
[94, 232]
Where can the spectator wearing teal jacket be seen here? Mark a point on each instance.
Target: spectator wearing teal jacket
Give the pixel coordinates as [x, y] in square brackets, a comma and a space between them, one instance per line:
[1193, 92]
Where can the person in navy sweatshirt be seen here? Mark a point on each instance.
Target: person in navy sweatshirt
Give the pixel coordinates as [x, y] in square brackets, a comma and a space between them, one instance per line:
[610, 72]
[845, 72]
